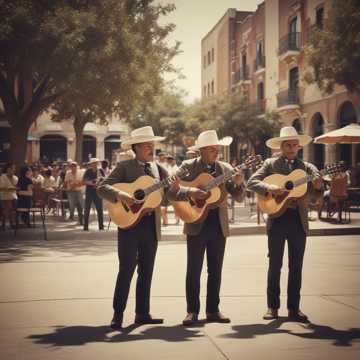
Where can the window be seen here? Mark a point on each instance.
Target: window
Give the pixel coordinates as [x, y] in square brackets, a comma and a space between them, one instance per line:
[293, 43]
[205, 90]
[212, 55]
[204, 61]
[209, 59]
[208, 89]
[212, 88]
[294, 79]
[259, 49]
[319, 17]
[293, 26]
[260, 91]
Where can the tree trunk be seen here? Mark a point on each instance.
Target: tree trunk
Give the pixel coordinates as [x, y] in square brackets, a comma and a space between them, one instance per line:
[79, 136]
[18, 144]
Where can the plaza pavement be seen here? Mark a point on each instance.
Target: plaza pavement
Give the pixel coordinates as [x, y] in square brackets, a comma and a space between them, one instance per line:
[56, 297]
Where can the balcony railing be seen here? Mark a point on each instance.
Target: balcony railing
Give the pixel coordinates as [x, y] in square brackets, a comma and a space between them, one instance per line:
[290, 42]
[288, 97]
[259, 63]
[241, 74]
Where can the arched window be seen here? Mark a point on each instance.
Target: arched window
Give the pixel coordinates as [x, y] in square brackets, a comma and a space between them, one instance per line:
[347, 115]
[111, 143]
[89, 148]
[53, 148]
[318, 149]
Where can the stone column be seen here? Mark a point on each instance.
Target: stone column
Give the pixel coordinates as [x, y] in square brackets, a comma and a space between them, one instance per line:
[100, 147]
[330, 150]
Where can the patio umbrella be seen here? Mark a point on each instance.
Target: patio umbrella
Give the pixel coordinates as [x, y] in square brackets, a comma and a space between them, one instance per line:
[349, 134]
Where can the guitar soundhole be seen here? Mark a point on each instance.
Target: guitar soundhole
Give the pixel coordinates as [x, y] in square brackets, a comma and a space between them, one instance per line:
[139, 195]
[289, 185]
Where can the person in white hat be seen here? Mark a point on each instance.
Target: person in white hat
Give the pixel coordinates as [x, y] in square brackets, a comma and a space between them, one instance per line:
[92, 177]
[136, 246]
[210, 234]
[292, 225]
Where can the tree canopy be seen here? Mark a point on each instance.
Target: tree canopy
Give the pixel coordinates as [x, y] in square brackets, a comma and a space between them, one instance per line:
[106, 56]
[334, 50]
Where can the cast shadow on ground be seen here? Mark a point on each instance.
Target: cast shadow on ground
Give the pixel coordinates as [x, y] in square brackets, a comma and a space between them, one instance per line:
[308, 331]
[82, 335]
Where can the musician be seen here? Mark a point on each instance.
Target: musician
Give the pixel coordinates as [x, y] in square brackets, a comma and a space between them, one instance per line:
[136, 245]
[292, 225]
[210, 234]
[92, 177]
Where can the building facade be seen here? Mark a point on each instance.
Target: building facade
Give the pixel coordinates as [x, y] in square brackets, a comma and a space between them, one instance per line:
[268, 64]
[55, 141]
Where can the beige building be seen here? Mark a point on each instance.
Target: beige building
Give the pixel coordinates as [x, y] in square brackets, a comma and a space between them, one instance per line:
[268, 65]
[53, 141]
[217, 49]
[48, 140]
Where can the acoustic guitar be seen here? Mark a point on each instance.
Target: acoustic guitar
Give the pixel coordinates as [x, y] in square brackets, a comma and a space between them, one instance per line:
[195, 210]
[295, 185]
[147, 193]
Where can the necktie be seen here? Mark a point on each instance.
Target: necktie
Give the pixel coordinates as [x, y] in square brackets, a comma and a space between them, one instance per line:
[147, 169]
[290, 164]
[210, 169]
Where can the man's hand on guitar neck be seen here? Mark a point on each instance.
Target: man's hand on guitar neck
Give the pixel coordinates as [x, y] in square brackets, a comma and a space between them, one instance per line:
[196, 193]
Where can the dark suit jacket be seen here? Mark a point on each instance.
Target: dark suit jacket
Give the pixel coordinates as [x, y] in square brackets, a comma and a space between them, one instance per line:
[277, 165]
[196, 167]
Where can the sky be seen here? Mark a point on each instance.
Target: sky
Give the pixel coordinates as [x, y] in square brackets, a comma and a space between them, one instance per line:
[193, 20]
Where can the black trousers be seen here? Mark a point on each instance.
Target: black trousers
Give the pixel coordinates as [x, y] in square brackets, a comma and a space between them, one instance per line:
[286, 227]
[136, 247]
[92, 197]
[212, 240]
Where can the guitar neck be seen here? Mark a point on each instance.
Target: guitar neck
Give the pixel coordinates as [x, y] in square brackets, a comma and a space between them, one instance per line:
[308, 178]
[163, 183]
[223, 178]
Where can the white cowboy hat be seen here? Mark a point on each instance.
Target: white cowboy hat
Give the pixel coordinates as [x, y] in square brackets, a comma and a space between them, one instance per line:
[93, 160]
[141, 135]
[210, 138]
[288, 133]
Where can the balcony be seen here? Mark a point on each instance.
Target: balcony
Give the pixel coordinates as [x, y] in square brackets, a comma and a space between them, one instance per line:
[288, 100]
[241, 75]
[259, 64]
[289, 46]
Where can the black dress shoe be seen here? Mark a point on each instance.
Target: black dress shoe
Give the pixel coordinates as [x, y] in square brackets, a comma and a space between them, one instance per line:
[297, 315]
[190, 319]
[147, 319]
[116, 322]
[217, 317]
[271, 314]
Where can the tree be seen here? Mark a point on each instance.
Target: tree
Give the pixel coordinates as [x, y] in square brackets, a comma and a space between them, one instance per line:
[165, 114]
[232, 115]
[52, 48]
[334, 51]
